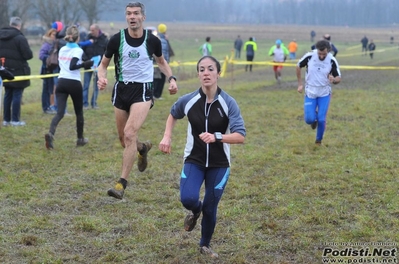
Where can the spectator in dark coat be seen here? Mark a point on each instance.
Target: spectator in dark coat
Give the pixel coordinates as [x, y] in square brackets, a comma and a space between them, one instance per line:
[371, 48]
[237, 46]
[99, 44]
[333, 50]
[312, 35]
[364, 42]
[16, 52]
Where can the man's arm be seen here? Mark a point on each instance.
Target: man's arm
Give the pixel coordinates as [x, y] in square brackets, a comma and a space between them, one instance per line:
[271, 50]
[165, 69]
[102, 73]
[111, 49]
[335, 74]
[334, 80]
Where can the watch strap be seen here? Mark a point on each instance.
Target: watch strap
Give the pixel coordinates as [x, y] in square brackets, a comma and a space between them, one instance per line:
[172, 77]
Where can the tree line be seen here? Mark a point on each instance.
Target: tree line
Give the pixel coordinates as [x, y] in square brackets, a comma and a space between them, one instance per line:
[300, 12]
[48, 11]
[361, 13]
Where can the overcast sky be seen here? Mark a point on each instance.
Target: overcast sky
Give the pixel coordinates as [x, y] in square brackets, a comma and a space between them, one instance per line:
[310, 12]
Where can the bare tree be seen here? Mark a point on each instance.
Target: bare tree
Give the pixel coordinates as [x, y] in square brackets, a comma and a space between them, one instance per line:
[92, 9]
[4, 18]
[310, 12]
[20, 8]
[67, 11]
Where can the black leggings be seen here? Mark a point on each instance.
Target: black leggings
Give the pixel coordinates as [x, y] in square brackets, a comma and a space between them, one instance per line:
[249, 58]
[66, 87]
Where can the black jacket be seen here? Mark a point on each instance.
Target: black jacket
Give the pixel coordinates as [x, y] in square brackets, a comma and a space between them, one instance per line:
[15, 49]
[97, 48]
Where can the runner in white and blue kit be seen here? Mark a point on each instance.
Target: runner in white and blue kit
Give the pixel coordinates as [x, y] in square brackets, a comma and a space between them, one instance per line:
[69, 84]
[322, 70]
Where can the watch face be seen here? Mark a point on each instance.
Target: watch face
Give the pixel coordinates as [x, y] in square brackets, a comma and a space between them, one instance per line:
[218, 136]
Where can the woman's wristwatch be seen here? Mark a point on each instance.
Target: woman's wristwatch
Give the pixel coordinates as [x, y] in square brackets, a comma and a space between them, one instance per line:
[218, 136]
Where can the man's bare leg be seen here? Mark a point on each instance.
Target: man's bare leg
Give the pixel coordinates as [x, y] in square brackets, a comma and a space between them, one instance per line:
[128, 125]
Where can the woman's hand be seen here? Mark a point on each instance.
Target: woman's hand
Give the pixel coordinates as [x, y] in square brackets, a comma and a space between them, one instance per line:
[165, 145]
[207, 137]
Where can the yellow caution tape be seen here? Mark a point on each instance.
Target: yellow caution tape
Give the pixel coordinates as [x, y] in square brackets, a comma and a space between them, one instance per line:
[230, 60]
[43, 76]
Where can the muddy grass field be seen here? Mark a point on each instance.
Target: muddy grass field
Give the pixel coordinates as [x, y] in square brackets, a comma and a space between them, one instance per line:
[186, 38]
[286, 200]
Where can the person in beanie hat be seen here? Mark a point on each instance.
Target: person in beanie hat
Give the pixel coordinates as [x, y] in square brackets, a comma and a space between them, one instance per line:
[162, 28]
[57, 25]
[159, 77]
[279, 53]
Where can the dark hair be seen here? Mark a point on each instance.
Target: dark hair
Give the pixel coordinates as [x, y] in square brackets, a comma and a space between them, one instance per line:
[137, 4]
[218, 67]
[208, 39]
[323, 44]
[251, 38]
[327, 36]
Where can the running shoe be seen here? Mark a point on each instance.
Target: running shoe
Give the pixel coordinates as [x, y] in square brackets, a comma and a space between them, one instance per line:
[49, 140]
[5, 123]
[314, 125]
[17, 123]
[191, 220]
[117, 192]
[142, 156]
[208, 251]
[81, 142]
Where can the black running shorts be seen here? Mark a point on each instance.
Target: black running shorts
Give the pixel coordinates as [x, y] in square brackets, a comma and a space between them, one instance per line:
[126, 94]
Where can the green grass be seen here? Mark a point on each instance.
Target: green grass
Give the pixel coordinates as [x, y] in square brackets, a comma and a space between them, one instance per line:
[285, 198]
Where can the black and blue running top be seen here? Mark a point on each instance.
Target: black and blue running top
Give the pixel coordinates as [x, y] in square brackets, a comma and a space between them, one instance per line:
[221, 115]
